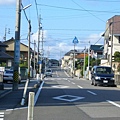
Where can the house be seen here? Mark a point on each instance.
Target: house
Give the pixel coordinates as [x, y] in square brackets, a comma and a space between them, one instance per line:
[23, 55]
[96, 51]
[111, 39]
[23, 49]
[4, 57]
[67, 59]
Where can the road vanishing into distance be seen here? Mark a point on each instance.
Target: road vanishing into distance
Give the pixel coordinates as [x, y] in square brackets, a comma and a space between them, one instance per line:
[66, 98]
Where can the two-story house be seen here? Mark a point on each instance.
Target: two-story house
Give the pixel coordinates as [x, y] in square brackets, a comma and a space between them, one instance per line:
[67, 60]
[23, 52]
[4, 57]
[96, 51]
[23, 49]
[111, 39]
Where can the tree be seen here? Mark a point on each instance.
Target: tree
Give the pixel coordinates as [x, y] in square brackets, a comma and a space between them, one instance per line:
[117, 59]
[3, 64]
[117, 56]
[118, 68]
[79, 64]
[95, 62]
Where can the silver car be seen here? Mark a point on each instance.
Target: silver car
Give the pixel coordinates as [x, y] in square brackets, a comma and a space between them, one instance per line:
[8, 76]
[48, 72]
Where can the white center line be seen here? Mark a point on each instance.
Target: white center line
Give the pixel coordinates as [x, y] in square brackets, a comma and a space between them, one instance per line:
[72, 82]
[113, 103]
[80, 86]
[91, 92]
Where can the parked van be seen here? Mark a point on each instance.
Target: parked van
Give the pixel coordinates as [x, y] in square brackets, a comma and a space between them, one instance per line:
[102, 75]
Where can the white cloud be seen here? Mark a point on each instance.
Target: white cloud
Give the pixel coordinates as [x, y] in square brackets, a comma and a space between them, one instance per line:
[56, 47]
[95, 39]
[35, 35]
[7, 2]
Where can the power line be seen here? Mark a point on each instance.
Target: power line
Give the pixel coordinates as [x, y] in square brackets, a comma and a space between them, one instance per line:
[104, 0]
[105, 32]
[87, 11]
[75, 29]
[59, 7]
[36, 9]
[24, 12]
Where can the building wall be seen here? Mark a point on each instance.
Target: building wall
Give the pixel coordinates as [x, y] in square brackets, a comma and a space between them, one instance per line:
[64, 61]
[114, 29]
[11, 46]
[116, 45]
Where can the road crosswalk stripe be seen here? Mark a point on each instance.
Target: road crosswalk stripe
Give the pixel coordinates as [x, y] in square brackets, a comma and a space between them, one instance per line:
[1, 115]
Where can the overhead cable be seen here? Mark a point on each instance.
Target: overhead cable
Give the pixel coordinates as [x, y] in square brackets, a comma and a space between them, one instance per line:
[88, 11]
[77, 9]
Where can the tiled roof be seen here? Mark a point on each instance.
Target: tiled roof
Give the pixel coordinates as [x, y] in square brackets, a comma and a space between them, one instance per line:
[97, 47]
[81, 56]
[4, 55]
[71, 51]
[3, 45]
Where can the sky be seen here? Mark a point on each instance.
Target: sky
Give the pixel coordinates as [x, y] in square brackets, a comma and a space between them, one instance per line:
[61, 21]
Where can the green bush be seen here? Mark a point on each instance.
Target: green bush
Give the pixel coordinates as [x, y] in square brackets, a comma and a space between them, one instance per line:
[118, 68]
[3, 64]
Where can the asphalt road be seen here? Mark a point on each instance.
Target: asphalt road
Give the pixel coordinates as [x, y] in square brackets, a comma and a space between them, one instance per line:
[65, 98]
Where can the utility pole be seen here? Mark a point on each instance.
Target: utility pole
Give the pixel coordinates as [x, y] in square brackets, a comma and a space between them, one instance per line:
[34, 57]
[39, 28]
[74, 61]
[42, 43]
[42, 54]
[5, 34]
[39, 22]
[29, 33]
[17, 45]
[88, 59]
[84, 63]
[112, 28]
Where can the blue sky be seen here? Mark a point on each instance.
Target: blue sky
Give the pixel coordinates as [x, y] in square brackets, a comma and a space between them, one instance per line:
[62, 20]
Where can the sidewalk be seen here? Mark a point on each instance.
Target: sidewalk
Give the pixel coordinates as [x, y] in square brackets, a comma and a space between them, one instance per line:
[11, 99]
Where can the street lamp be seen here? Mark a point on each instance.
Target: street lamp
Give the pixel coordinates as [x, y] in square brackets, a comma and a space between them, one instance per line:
[26, 7]
[29, 35]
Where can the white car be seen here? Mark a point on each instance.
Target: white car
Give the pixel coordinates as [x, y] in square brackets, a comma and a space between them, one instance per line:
[48, 72]
[8, 76]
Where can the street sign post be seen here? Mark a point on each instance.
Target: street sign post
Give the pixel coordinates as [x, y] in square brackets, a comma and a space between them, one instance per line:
[75, 41]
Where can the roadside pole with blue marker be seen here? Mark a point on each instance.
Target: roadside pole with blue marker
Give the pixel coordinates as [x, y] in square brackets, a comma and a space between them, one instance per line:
[75, 41]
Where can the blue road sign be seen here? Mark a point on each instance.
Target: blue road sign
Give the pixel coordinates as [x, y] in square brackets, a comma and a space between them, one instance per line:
[75, 40]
